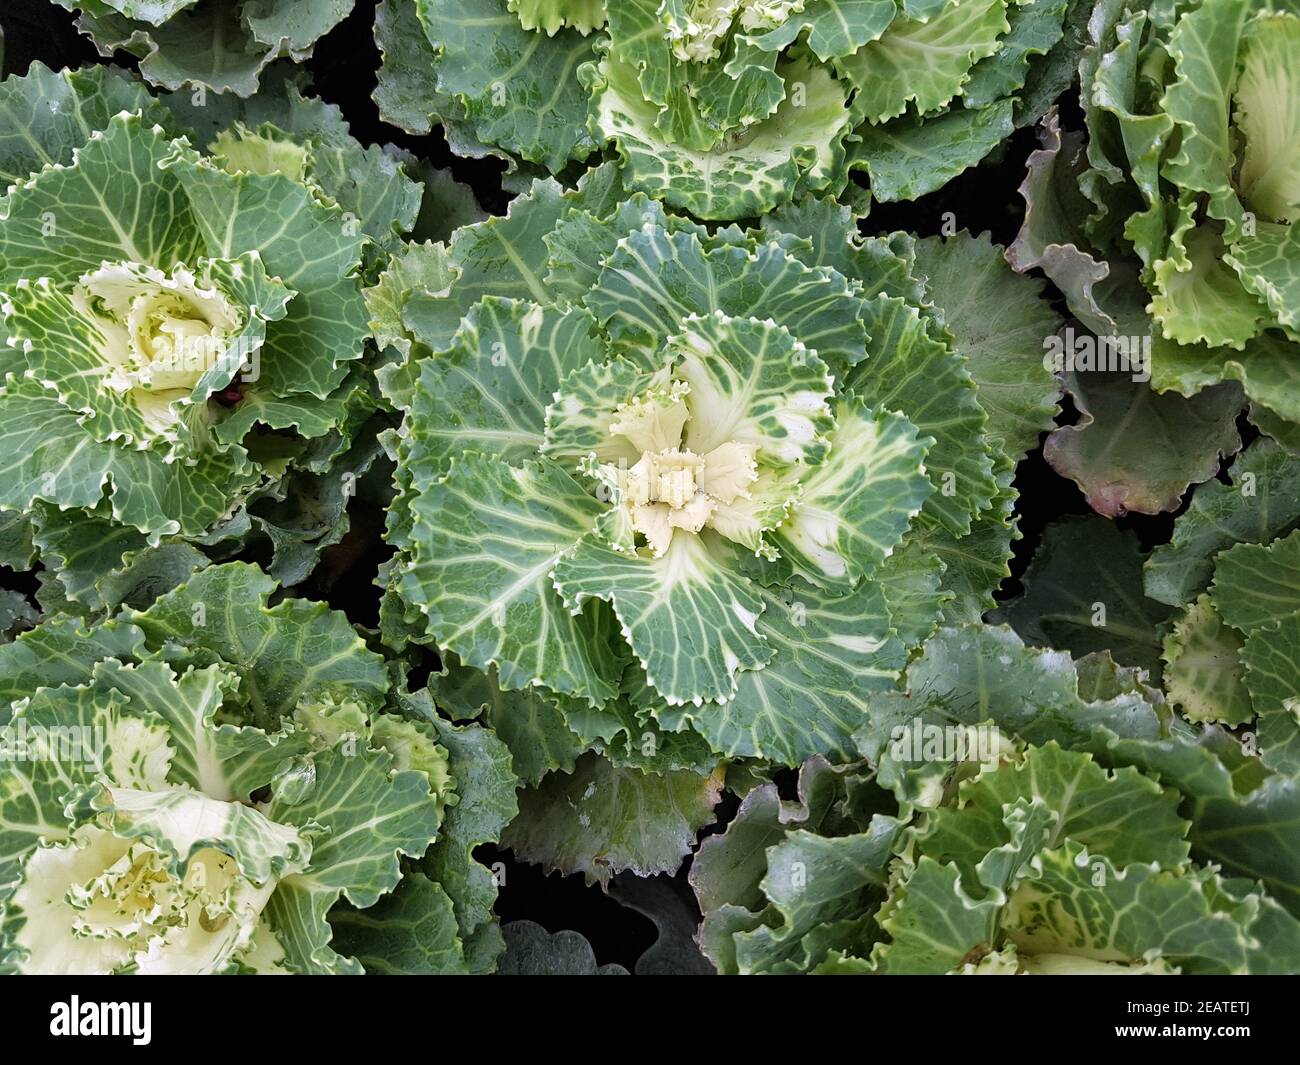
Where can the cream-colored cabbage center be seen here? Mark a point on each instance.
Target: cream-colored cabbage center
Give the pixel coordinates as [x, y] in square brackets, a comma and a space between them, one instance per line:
[669, 489]
[100, 902]
[163, 332]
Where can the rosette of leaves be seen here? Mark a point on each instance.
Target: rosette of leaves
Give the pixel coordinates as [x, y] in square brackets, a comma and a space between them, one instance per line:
[217, 785]
[222, 45]
[1080, 830]
[729, 108]
[711, 482]
[185, 329]
[1173, 223]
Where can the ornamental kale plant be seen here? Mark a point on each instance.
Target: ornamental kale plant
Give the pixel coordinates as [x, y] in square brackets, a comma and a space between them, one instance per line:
[729, 108]
[1173, 222]
[617, 477]
[240, 774]
[184, 330]
[819, 476]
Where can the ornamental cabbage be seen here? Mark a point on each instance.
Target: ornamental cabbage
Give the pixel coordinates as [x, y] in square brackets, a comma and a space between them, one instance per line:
[1174, 223]
[188, 793]
[620, 481]
[1074, 832]
[730, 109]
[184, 331]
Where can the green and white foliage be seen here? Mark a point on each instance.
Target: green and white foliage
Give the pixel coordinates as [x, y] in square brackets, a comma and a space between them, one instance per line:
[1172, 226]
[218, 45]
[1053, 821]
[203, 786]
[685, 482]
[729, 109]
[690, 491]
[184, 329]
